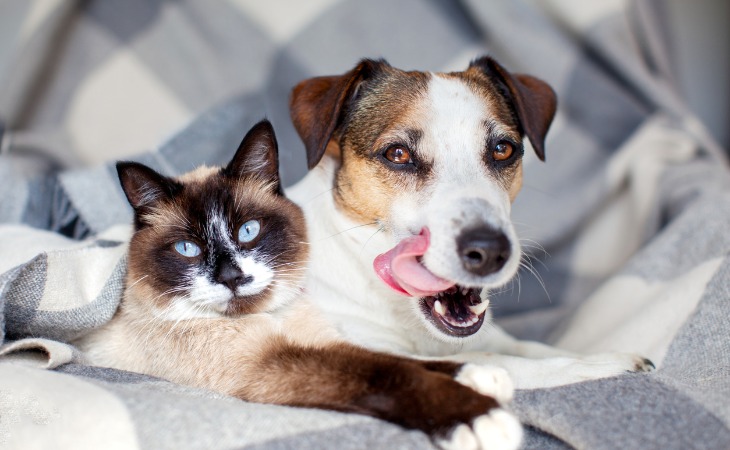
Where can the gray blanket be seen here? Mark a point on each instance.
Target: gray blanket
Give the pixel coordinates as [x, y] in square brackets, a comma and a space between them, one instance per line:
[626, 225]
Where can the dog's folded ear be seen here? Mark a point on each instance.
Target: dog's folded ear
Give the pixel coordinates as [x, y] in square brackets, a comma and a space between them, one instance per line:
[317, 105]
[534, 100]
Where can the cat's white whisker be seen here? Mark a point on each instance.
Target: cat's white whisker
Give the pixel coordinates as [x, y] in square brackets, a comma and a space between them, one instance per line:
[138, 280]
[293, 263]
[293, 269]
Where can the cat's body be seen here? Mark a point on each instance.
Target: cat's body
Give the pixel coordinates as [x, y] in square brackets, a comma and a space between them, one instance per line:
[214, 300]
[222, 354]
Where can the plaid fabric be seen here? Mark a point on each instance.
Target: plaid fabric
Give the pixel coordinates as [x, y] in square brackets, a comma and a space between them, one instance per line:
[628, 218]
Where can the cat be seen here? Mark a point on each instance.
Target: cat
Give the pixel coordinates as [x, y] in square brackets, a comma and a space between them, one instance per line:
[214, 299]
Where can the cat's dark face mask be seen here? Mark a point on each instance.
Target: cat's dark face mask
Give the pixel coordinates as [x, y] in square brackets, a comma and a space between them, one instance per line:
[216, 241]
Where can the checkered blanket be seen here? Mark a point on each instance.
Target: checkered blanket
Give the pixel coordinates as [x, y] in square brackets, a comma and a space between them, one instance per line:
[628, 221]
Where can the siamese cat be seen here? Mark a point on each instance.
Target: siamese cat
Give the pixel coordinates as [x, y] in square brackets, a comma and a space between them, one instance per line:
[214, 298]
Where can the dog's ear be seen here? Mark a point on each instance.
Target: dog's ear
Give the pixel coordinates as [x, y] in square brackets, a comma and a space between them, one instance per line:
[258, 156]
[535, 101]
[317, 105]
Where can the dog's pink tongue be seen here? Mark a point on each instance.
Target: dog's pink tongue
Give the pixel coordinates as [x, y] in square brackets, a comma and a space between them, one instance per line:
[400, 269]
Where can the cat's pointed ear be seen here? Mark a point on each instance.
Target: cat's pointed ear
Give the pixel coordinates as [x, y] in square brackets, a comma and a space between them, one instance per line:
[257, 156]
[142, 185]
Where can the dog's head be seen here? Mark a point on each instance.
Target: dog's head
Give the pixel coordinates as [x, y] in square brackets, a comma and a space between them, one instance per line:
[436, 160]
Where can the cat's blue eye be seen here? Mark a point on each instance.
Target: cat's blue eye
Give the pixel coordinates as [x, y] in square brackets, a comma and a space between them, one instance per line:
[249, 231]
[187, 248]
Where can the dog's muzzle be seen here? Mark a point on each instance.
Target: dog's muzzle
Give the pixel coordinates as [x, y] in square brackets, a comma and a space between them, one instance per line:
[455, 310]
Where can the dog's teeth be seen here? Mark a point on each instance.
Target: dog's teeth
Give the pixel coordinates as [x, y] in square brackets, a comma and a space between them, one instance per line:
[463, 324]
[479, 308]
[439, 308]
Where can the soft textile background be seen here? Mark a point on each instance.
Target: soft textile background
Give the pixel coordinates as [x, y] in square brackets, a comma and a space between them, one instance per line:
[626, 224]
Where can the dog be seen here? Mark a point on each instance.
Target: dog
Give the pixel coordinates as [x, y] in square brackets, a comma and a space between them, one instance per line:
[408, 205]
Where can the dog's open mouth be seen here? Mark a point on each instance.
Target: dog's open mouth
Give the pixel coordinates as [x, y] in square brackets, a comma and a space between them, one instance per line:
[455, 310]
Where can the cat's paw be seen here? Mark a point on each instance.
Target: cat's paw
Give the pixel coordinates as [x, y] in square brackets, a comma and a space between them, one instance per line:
[497, 430]
[491, 381]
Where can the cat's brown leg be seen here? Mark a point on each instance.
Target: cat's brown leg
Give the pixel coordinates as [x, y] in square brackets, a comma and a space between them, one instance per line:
[414, 394]
[491, 381]
[446, 367]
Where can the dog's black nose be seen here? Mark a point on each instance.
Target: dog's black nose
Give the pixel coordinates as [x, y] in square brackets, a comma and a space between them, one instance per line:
[230, 275]
[483, 250]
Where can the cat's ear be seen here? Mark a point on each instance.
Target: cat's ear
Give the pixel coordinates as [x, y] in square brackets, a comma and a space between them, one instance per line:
[257, 156]
[142, 185]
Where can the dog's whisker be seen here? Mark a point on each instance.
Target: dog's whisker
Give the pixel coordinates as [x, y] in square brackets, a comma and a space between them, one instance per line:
[311, 199]
[527, 265]
[532, 244]
[348, 230]
[380, 229]
[532, 258]
[537, 189]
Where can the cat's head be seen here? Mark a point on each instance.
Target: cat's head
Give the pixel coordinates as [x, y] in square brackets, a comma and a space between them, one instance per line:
[215, 241]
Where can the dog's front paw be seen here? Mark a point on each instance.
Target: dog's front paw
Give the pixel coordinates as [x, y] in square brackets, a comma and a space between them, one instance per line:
[491, 381]
[643, 365]
[602, 365]
[497, 430]
[563, 370]
[617, 363]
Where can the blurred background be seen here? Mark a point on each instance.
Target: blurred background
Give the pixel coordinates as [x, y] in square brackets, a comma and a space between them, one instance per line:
[91, 81]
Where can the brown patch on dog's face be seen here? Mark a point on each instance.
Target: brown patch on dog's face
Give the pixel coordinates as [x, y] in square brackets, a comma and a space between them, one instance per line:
[515, 181]
[344, 115]
[394, 109]
[494, 94]
[366, 182]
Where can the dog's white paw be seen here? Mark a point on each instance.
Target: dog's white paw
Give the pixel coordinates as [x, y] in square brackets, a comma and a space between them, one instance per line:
[491, 381]
[498, 430]
[567, 370]
[618, 363]
[604, 365]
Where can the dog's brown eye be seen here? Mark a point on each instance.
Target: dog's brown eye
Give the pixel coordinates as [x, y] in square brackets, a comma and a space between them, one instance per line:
[502, 151]
[398, 155]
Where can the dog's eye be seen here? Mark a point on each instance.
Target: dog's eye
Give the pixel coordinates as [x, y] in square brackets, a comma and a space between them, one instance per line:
[398, 155]
[502, 151]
